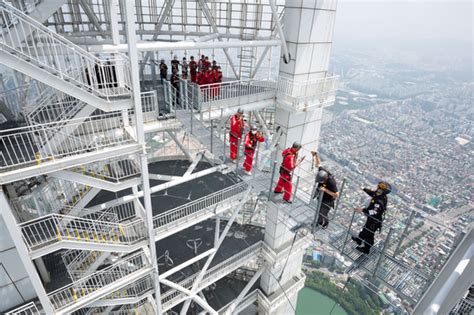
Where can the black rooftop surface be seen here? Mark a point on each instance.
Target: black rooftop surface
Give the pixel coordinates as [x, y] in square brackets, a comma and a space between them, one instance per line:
[178, 195]
[57, 271]
[181, 245]
[219, 295]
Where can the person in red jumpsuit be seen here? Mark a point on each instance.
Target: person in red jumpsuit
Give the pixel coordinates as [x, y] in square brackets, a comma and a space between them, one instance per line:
[250, 143]
[288, 164]
[201, 63]
[236, 127]
[206, 63]
[193, 69]
[217, 79]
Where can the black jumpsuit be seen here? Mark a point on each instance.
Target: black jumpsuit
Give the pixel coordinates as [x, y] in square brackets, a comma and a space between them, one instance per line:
[374, 212]
[328, 201]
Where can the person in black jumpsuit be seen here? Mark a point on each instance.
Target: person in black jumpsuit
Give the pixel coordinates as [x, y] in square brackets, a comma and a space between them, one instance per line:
[327, 184]
[375, 215]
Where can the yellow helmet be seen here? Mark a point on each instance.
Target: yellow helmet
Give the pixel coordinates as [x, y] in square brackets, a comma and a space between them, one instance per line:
[385, 187]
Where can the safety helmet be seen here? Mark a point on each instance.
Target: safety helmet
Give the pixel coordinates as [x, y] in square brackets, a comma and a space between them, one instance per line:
[385, 187]
[296, 145]
[162, 60]
[254, 128]
[192, 57]
[240, 111]
[322, 176]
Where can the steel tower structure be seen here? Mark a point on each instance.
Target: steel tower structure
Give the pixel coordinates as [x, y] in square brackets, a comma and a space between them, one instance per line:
[117, 193]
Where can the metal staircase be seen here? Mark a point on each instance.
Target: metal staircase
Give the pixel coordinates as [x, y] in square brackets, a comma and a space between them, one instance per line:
[104, 84]
[114, 174]
[36, 9]
[100, 284]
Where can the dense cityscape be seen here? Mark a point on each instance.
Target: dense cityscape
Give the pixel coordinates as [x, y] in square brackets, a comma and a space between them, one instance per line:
[411, 126]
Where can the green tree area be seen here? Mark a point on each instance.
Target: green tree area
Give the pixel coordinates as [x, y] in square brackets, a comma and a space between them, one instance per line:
[355, 299]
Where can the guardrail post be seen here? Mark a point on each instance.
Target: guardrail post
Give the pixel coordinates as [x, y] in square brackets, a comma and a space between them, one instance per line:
[212, 136]
[404, 233]
[384, 248]
[272, 179]
[316, 214]
[191, 123]
[347, 233]
[238, 155]
[296, 186]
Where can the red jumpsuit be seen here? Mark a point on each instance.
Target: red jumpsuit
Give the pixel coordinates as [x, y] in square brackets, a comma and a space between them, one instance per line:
[250, 143]
[287, 166]
[216, 78]
[193, 70]
[236, 127]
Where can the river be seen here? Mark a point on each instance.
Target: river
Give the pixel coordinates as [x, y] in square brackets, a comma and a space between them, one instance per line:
[311, 302]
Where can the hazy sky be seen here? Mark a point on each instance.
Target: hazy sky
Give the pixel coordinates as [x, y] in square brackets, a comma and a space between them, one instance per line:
[404, 20]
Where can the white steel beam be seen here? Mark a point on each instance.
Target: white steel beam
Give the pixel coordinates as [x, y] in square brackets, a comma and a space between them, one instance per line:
[17, 239]
[186, 263]
[244, 292]
[284, 47]
[203, 271]
[193, 165]
[130, 19]
[179, 144]
[163, 177]
[194, 296]
[211, 21]
[186, 45]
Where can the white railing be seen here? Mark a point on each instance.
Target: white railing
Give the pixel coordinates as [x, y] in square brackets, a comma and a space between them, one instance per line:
[114, 170]
[173, 297]
[54, 107]
[51, 228]
[57, 196]
[27, 309]
[174, 216]
[26, 6]
[234, 93]
[20, 97]
[135, 289]
[301, 93]
[41, 143]
[134, 309]
[150, 107]
[83, 288]
[106, 78]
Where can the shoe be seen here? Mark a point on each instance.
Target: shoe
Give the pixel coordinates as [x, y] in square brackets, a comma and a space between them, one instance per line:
[324, 225]
[277, 192]
[233, 161]
[287, 201]
[363, 249]
[357, 240]
[248, 173]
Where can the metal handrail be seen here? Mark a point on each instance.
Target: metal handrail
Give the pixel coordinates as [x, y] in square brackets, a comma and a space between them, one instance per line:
[27, 309]
[98, 76]
[84, 287]
[198, 205]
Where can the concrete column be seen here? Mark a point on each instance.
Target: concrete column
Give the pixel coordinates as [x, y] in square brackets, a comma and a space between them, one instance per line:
[308, 28]
[278, 237]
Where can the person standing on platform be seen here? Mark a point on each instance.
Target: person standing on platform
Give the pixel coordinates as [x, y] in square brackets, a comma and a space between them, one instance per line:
[163, 71]
[288, 164]
[250, 144]
[326, 183]
[236, 128]
[175, 65]
[375, 213]
[184, 69]
[214, 65]
[201, 62]
[193, 69]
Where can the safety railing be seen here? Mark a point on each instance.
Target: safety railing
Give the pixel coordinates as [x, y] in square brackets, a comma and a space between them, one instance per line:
[41, 143]
[173, 297]
[176, 215]
[109, 78]
[234, 93]
[85, 287]
[135, 289]
[115, 170]
[20, 97]
[27, 309]
[26, 6]
[305, 94]
[141, 307]
[53, 107]
[51, 228]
